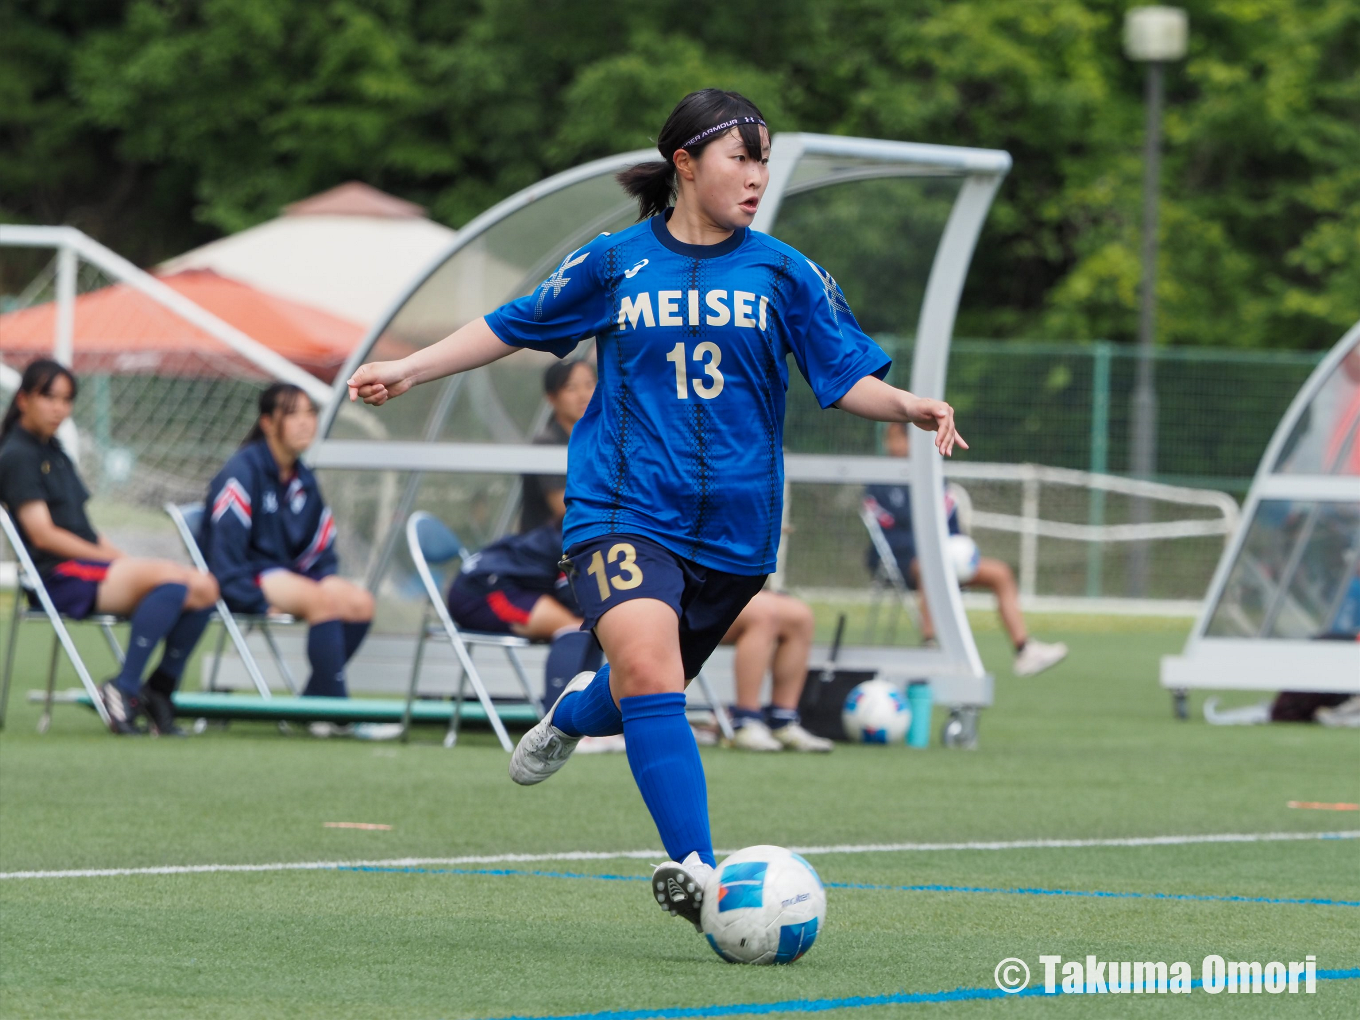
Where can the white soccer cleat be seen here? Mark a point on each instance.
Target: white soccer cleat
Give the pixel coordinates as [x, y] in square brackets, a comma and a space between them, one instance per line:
[793, 737]
[1344, 716]
[1038, 656]
[679, 888]
[545, 748]
[754, 735]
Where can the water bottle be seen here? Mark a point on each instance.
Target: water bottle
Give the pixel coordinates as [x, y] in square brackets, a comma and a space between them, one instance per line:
[919, 699]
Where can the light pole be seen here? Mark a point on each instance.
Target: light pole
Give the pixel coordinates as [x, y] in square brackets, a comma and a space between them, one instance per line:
[1154, 36]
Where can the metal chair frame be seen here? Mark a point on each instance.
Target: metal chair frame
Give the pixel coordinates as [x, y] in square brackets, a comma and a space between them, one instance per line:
[31, 581]
[231, 622]
[463, 642]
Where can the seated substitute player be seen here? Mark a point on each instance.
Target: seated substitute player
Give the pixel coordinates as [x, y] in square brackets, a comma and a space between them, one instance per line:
[773, 632]
[269, 539]
[82, 571]
[891, 504]
[568, 387]
[676, 476]
[515, 585]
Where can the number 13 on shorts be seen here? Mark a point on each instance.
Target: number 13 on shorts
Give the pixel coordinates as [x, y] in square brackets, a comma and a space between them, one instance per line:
[629, 573]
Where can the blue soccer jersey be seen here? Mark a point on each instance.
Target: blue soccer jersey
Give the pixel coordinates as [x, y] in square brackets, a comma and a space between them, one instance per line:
[683, 440]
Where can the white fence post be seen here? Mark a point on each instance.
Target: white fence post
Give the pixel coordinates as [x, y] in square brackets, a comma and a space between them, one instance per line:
[1029, 537]
[63, 343]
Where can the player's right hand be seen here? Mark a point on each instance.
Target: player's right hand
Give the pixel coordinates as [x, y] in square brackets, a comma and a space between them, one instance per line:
[378, 382]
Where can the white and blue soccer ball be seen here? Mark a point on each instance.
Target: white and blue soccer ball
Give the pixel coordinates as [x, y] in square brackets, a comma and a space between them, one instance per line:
[763, 905]
[964, 555]
[875, 712]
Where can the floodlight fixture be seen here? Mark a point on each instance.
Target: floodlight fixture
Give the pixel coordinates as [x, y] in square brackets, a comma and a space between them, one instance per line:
[1155, 33]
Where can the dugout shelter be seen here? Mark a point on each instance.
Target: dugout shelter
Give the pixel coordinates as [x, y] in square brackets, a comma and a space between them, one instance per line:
[895, 222]
[1283, 609]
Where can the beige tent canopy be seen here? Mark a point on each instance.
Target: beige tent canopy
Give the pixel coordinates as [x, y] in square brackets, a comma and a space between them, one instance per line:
[351, 251]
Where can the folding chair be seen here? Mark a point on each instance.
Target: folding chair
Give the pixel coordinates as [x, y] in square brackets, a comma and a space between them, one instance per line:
[31, 586]
[188, 518]
[430, 541]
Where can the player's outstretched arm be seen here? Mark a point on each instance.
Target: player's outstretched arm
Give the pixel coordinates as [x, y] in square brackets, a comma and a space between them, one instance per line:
[874, 399]
[469, 347]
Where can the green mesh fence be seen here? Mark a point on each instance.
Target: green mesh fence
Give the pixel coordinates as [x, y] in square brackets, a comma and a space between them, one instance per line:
[1067, 405]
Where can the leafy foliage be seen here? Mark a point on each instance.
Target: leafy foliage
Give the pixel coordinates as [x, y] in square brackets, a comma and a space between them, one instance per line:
[157, 124]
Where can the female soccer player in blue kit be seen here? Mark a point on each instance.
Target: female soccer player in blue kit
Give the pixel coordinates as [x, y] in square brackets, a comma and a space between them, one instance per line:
[676, 471]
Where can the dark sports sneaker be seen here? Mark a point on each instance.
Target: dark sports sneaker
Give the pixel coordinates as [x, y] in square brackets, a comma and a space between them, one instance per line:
[123, 710]
[160, 712]
[679, 888]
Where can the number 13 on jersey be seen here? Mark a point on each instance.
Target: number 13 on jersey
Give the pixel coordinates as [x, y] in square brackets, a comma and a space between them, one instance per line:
[629, 575]
[707, 353]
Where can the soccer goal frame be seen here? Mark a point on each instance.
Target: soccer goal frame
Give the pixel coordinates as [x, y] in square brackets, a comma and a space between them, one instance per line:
[798, 163]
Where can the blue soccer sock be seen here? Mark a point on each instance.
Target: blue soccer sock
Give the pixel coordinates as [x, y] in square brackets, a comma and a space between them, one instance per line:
[153, 618]
[326, 653]
[590, 712]
[179, 645]
[572, 652]
[777, 718]
[354, 636]
[666, 766]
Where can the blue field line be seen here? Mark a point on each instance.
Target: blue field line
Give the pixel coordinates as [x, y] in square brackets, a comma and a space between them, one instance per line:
[846, 1002]
[993, 890]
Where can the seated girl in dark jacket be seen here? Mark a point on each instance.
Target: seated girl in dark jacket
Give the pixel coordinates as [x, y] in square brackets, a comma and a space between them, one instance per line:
[515, 586]
[81, 570]
[269, 539]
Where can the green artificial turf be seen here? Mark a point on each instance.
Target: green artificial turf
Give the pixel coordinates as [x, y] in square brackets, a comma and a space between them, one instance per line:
[1089, 750]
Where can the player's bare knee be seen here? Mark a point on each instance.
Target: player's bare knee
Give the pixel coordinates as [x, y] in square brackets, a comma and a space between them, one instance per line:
[203, 590]
[361, 605]
[798, 618]
[323, 604]
[639, 673]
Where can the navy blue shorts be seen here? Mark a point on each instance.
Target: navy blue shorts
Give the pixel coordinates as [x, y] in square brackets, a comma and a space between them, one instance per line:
[74, 586]
[614, 569]
[476, 604]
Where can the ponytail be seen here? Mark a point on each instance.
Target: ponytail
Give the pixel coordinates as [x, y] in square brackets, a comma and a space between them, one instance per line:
[652, 184]
[698, 119]
[38, 378]
[279, 397]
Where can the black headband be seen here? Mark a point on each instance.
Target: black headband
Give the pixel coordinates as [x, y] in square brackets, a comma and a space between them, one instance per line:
[726, 125]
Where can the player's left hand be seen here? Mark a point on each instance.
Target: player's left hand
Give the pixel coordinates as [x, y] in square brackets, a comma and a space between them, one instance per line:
[938, 417]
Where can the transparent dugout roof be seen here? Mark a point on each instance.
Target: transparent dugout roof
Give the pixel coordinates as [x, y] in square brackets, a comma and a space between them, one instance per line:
[1326, 438]
[1294, 572]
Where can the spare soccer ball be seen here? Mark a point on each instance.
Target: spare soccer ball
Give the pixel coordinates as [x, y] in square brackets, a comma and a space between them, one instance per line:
[763, 905]
[963, 554]
[875, 712]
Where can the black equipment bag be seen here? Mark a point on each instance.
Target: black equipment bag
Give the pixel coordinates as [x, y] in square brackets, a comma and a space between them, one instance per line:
[826, 689]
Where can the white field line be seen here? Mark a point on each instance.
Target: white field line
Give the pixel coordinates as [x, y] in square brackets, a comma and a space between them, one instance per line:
[656, 855]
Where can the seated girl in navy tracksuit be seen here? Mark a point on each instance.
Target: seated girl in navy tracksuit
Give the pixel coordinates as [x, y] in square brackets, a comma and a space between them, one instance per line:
[515, 586]
[269, 539]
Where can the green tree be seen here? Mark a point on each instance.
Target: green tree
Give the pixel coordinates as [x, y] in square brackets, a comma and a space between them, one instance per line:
[156, 124]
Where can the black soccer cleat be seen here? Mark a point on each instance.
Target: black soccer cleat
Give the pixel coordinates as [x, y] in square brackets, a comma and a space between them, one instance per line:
[123, 710]
[680, 892]
[160, 712]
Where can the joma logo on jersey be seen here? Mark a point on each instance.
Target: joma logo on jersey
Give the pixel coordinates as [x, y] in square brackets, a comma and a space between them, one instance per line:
[683, 308]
